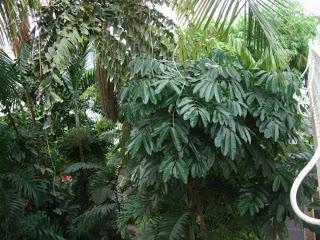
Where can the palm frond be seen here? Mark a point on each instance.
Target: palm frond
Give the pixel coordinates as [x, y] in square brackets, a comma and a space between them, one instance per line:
[170, 226]
[87, 80]
[137, 208]
[11, 204]
[14, 21]
[39, 226]
[92, 217]
[79, 74]
[178, 225]
[143, 31]
[11, 211]
[26, 184]
[258, 16]
[24, 58]
[9, 78]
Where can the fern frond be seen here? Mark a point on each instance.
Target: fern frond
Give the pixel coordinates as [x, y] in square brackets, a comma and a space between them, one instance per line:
[38, 227]
[8, 78]
[11, 204]
[26, 184]
[174, 226]
[91, 217]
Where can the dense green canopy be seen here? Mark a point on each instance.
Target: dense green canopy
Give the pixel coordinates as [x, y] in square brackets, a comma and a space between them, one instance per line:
[212, 122]
[117, 124]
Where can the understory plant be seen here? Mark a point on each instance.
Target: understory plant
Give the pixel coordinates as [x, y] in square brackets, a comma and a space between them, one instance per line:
[212, 150]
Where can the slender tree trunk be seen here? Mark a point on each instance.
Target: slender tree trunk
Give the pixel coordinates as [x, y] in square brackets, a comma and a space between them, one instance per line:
[107, 94]
[196, 204]
[77, 119]
[199, 209]
[30, 104]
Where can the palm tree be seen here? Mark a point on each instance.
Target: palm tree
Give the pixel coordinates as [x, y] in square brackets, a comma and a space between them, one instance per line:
[15, 22]
[77, 78]
[15, 16]
[9, 80]
[258, 16]
[130, 27]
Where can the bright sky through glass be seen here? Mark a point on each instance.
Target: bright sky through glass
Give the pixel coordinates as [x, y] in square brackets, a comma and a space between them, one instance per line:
[311, 6]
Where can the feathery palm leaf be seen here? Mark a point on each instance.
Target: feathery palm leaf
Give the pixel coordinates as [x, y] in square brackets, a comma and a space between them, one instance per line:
[11, 209]
[39, 226]
[258, 16]
[174, 226]
[9, 78]
[26, 184]
[11, 204]
[78, 76]
[25, 58]
[14, 21]
[92, 216]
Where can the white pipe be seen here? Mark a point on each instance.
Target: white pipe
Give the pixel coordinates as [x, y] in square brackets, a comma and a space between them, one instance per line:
[296, 184]
[314, 93]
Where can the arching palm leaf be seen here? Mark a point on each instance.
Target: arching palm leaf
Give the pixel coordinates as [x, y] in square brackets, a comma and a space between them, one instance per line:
[25, 183]
[8, 79]
[78, 77]
[11, 210]
[258, 16]
[39, 226]
[14, 21]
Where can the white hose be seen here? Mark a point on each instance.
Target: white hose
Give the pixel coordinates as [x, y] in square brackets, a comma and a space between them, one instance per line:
[314, 96]
[296, 184]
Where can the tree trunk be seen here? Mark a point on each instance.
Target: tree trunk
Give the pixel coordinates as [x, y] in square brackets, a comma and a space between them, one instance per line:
[196, 204]
[30, 104]
[77, 119]
[107, 94]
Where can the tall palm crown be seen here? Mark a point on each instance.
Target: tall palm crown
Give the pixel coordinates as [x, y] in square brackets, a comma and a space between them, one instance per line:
[258, 15]
[15, 22]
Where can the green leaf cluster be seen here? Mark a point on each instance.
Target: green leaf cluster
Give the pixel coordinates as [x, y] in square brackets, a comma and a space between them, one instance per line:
[212, 122]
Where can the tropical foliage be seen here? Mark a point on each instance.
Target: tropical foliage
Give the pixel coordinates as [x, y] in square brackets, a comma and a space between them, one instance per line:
[210, 132]
[302, 29]
[15, 22]
[117, 124]
[259, 17]
[65, 26]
